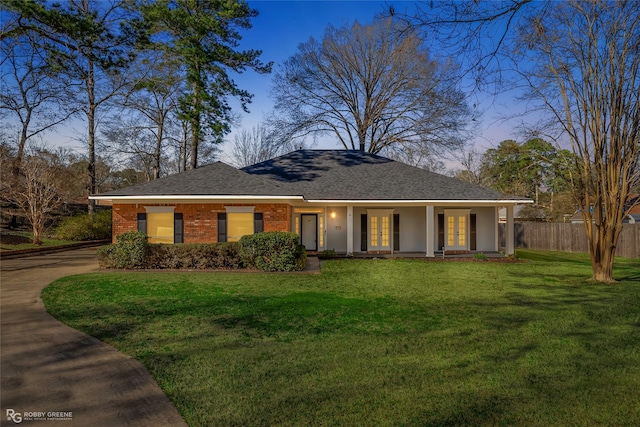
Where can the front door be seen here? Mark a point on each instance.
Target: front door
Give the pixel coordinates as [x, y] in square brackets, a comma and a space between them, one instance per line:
[309, 231]
[379, 230]
[456, 229]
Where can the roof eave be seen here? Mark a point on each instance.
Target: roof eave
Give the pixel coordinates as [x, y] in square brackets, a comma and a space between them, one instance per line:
[200, 197]
[425, 202]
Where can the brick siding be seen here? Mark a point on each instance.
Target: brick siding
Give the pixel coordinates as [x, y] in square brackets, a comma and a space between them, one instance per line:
[201, 219]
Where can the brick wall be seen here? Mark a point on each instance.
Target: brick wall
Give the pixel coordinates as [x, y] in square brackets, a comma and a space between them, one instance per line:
[201, 219]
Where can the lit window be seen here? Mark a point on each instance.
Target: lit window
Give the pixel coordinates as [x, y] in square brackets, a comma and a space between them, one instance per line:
[160, 227]
[239, 224]
[451, 231]
[462, 226]
[321, 231]
[385, 230]
[374, 231]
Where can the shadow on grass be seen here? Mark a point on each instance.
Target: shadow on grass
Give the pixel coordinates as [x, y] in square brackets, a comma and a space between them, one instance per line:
[539, 354]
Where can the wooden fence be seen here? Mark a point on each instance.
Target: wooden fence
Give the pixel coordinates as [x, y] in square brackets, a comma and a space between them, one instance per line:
[568, 238]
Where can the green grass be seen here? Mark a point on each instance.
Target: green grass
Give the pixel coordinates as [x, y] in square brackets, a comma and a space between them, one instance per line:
[46, 242]
[378, 342]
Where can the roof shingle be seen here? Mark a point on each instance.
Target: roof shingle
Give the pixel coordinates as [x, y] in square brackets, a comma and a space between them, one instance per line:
[317, 175]
[356, 175]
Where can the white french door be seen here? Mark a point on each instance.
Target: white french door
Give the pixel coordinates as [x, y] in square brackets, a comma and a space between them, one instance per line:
[379, 230]
[456, 229]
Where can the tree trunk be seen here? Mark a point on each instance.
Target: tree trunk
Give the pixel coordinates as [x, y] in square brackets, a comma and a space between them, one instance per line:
[158, 151]
[195, 128]
[195, 136]
[91, 118]
[603, 243]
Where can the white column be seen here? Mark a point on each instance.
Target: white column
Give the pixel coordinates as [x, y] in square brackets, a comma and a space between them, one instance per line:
[430, 238]
[496, 238]
[509, 231]
[350, 229]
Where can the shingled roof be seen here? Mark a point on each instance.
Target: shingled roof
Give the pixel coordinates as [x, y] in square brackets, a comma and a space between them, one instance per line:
[216, 179]
[317, 175]
[357, 175]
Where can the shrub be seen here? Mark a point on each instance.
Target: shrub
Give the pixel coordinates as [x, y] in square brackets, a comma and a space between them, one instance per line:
[480, 256]
[131, 250]
[273, 251]
[86, 227]
[195, 256]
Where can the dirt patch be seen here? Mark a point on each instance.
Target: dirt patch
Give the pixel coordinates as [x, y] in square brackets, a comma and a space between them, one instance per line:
[14, 239]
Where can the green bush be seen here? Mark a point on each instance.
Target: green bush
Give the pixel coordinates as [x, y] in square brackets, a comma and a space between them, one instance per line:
[196, 256]
[131, 250]
[273, 251]
[85, 227]
[480, 256]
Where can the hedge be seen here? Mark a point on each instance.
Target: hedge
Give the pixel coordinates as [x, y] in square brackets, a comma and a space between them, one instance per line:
[271, 251]
[225, 256]
[274, 251]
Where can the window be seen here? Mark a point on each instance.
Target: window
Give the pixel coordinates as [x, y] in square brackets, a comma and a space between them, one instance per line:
[238, 225]
[161, 225]
[234, 224]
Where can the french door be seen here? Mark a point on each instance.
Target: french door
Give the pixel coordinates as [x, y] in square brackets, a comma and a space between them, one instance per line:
[456, 229]
[379, 230]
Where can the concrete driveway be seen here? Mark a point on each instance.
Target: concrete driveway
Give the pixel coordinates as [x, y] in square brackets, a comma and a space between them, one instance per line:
[54, 375]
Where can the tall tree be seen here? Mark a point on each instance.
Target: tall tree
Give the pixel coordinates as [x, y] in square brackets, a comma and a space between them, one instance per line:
[580, 63]
[373, 87]
[144, 114]
[588, 78]
[30, 93]
[205, 35]
[89, 42]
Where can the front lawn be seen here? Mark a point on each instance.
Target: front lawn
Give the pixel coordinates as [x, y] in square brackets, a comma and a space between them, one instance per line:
[378, 342]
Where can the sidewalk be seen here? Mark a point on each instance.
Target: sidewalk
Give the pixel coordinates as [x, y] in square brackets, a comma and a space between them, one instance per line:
[48, 367]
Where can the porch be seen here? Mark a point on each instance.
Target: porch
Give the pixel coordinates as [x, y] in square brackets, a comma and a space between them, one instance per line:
[404, 230]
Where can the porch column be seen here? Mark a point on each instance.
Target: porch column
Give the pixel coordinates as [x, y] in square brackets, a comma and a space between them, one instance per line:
[509, 245]
[430, 232]
[349, 229]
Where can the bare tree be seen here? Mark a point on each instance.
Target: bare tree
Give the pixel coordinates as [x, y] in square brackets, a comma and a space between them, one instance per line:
[373, 87]
[30, 94]
[477, 33]
[129, 142]
[153, 100]
[88, 43]
[580, 63]
[472, 163]
[37, 192]
[587, 76]
[260, 143]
